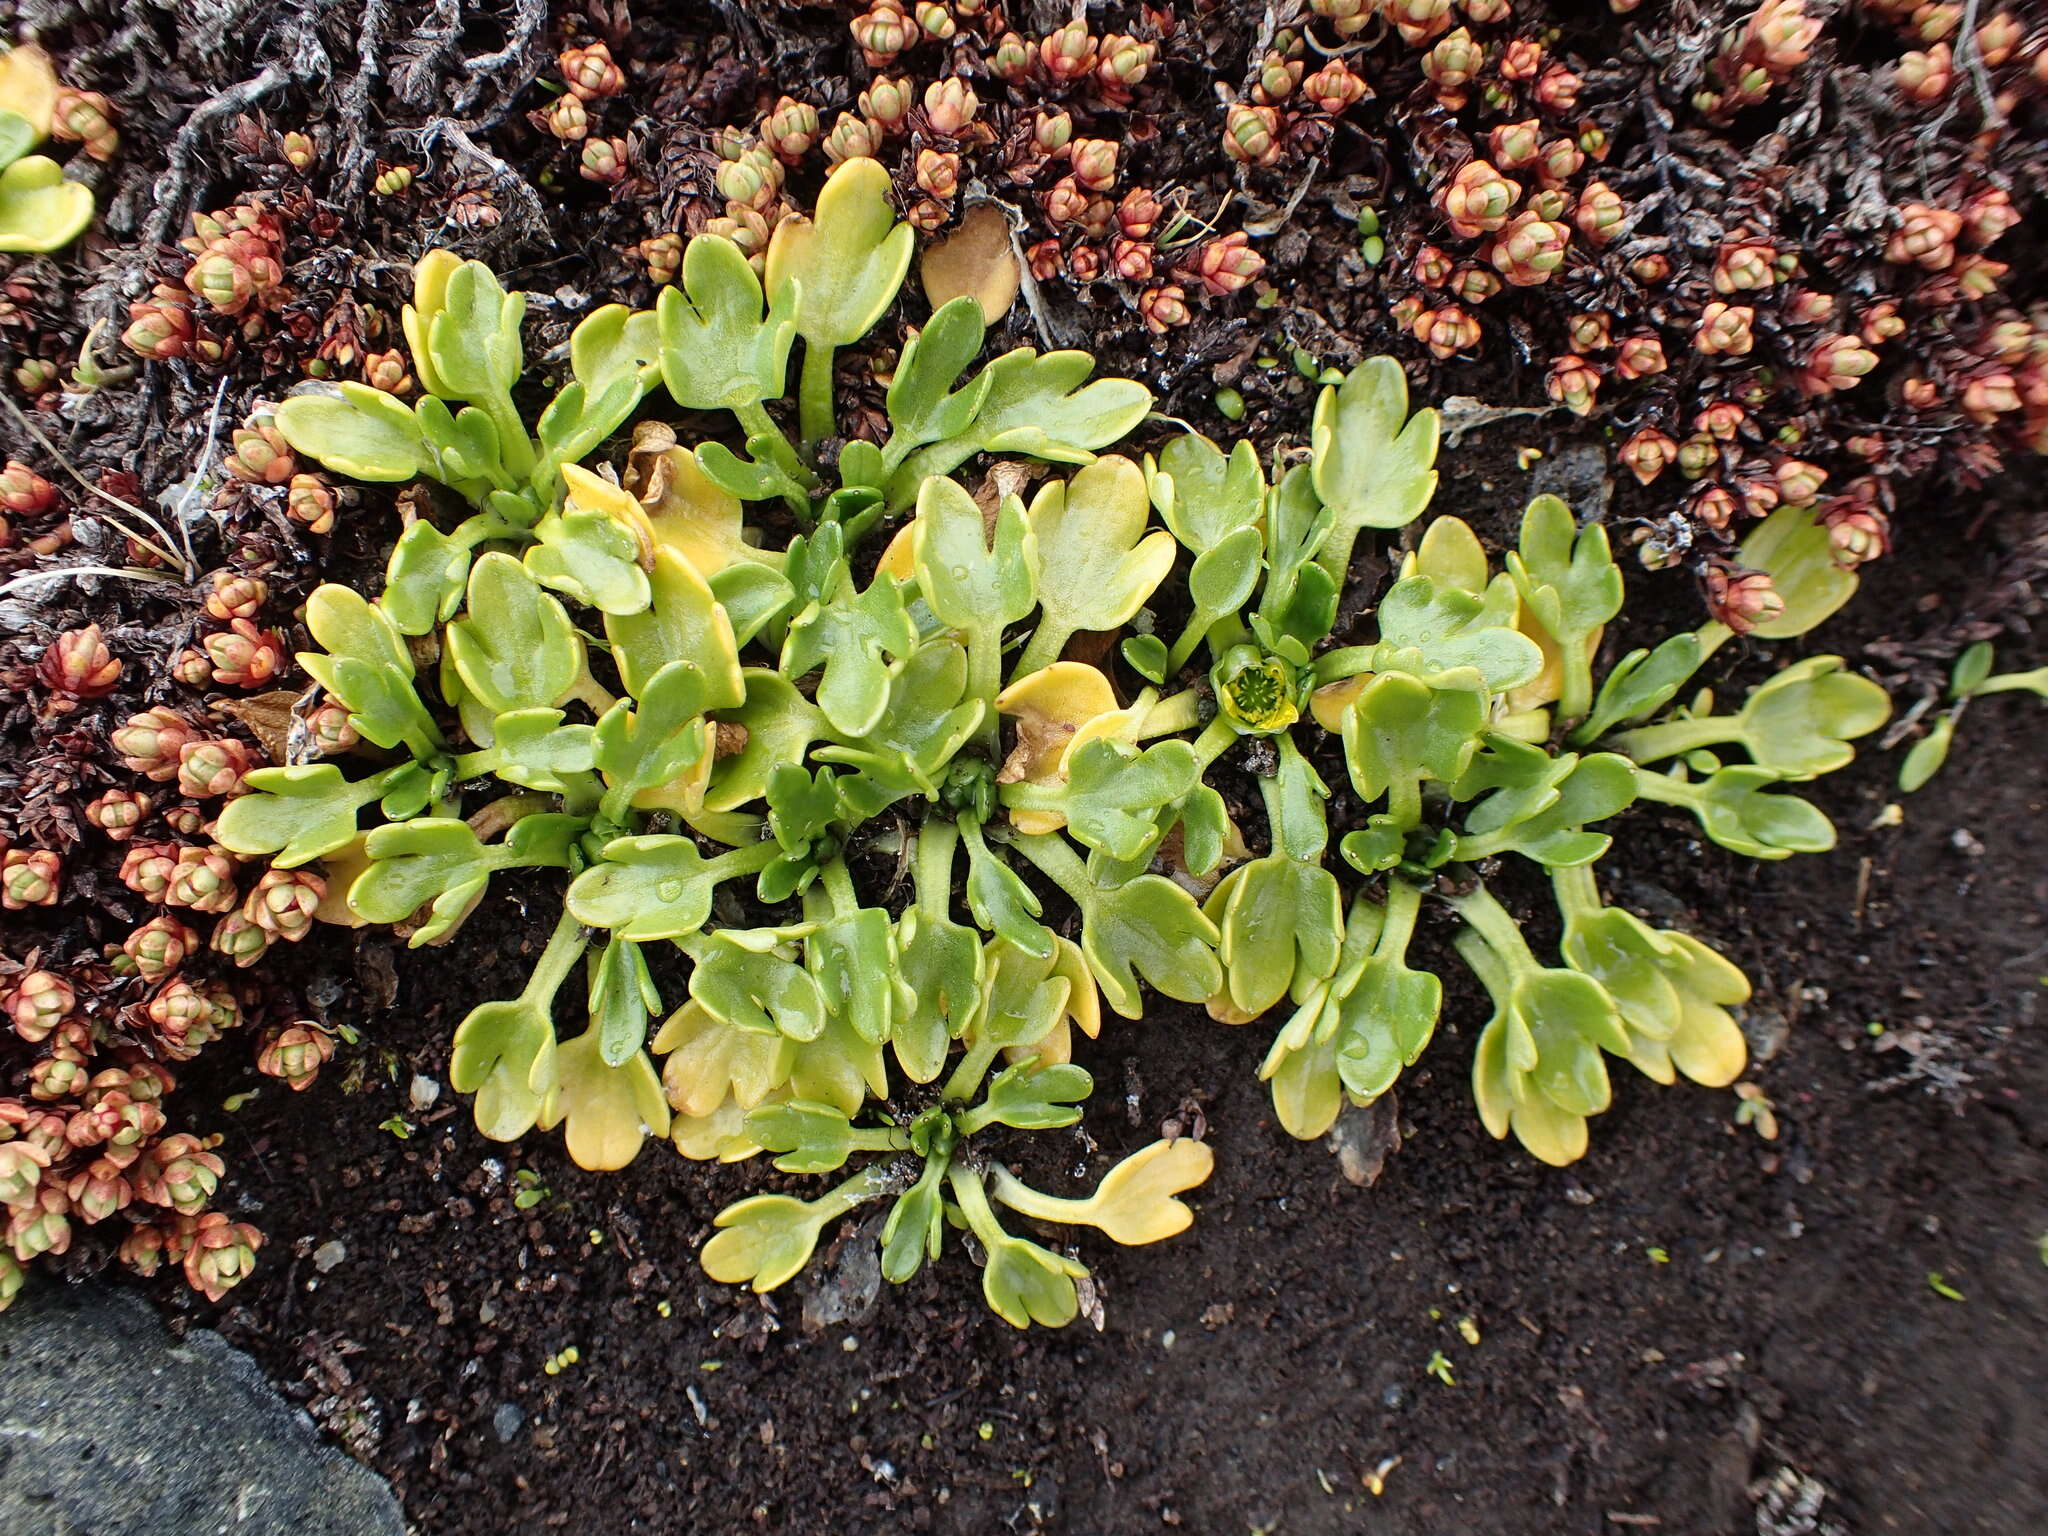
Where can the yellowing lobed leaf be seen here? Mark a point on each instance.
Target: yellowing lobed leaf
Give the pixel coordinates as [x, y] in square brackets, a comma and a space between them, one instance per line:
[28, 87]
[605, 1111]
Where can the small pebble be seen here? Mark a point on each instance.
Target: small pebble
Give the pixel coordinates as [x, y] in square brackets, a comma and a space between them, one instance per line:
[506, 1421]
[329, 1255]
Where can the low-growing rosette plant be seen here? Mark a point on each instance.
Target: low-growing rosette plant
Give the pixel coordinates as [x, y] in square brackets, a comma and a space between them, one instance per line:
[907, 846]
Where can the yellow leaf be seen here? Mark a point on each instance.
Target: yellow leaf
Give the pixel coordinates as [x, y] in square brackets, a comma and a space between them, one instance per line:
[605, 1110]
[1135, 1201]
[28, 85]
[710, 1061]
[977, 261]
[1050, 707]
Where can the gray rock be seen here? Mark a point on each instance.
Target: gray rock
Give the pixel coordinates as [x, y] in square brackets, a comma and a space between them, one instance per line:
[109, 1427]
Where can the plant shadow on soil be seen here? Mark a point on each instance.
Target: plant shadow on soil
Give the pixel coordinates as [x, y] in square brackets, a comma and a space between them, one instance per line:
[1688, 1309]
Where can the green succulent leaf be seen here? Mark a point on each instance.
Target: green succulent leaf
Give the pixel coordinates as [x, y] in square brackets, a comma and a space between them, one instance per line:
[1001, 902]
[1374, 463]
[425, 579]
[1030, 1096]
[916, 1225]
[939, 963]
[622, 998]
[1096, 563]
[1641, 683]
[643, 745]
[765, 1240]
[440, 860]
[585, 554]
[304, 812]
[1401, 731]
[846, 264]
[1796, 551]
[356, 431]
[853, 958]
[1429, 629]
[1203, 496]
[811, 1138]
[967, 583]
[515, 649]
[1148, 926]
[504, 1052]
[473, 339]
[1281, 924]
[923, 405]
[1569, 585]
[654, 886]
[1038, 406]
[682, 618]
[1738, 812]
[860, 638]
[368, 667]
[928, 720]
[1798, 725]
[1927, 755]
[1553, 832]
[717, 347]
[763, 993]
[1025, 1284]
[1113, 794]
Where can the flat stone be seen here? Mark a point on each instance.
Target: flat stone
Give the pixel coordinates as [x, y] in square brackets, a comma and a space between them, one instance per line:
[108, 1426]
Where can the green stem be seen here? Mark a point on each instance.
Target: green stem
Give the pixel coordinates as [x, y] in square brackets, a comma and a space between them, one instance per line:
[2014, 682]
[814, 395]
[733, 828]
[1227, 631]
[984, 682]
[499, 815]
[838, 883]
[883, 1138]
[1043, 650]
[565, 947]
[743, 861]
[1397, 924]
[1404, 800]
[1496, 928]
[966, 1078]
[1217, 738]
[1304, 836]
[1198, 626]
[971, 1195]
[1345, 661]
[1666, 790]
[1675, 738]
[588, 690]
[515, 448]
[1578, 893]
[1485, 963]
[871, 1183]
[1058, 862]
[937, 841]
[1035, 1203]
[1575, 689]
[758, 424]
[485, 527]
